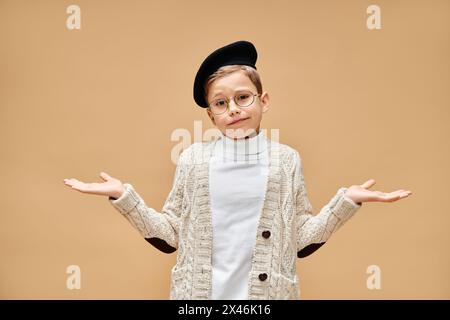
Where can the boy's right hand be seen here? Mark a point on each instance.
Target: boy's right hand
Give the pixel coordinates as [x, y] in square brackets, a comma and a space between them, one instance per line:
[111, 187]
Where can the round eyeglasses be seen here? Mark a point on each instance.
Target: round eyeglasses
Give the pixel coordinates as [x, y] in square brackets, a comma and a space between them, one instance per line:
[242, 99]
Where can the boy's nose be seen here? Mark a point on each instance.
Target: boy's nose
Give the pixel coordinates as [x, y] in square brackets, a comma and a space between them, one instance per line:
[233, 107]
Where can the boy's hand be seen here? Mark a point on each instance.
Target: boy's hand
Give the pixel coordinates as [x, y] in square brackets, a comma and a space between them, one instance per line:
[360, 193]
[111, 187]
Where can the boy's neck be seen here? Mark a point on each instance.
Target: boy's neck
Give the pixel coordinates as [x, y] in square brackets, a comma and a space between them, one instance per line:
[253, 134]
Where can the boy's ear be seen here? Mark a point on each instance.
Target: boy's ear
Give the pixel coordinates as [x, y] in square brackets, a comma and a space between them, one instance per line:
[265, 101]
[211, 116]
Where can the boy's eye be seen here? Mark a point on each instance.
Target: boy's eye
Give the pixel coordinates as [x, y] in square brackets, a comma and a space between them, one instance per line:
[243, 96]
[219, 103]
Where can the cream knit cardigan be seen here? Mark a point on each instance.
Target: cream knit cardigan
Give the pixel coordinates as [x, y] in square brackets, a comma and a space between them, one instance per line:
[184, 223]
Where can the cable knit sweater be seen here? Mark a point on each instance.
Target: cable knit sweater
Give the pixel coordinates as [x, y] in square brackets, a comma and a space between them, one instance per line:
[286, 229]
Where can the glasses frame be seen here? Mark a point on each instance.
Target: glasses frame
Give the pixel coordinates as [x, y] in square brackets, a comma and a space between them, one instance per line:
[228, 100]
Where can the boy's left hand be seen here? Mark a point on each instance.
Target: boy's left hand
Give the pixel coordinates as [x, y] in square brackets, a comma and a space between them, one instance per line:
[360, 193]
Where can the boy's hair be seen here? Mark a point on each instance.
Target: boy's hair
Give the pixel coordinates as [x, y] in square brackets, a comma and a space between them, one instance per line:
[250, 72]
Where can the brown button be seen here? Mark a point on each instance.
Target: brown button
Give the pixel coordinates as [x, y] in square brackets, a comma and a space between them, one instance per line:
[266, 234]
[262, 276]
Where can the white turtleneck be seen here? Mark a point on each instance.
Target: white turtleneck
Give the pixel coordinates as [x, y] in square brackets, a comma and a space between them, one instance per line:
[238, 178]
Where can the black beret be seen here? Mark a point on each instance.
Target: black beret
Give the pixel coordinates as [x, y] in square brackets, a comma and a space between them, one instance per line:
[239, 52]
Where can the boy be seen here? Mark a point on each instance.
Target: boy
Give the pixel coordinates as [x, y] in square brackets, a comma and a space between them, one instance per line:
[238, 211]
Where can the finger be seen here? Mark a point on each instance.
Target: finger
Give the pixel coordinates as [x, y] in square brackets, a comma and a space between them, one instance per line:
[76, 182]
[369, 183]
[405, 194]
[394, 196]
[70, 182]
[389, 197]
[85, 187]
[402, 193]
[401, 190]
[105, 176]
[381, 193]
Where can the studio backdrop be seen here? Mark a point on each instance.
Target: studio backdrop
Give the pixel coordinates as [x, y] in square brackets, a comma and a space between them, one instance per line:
[359, 88]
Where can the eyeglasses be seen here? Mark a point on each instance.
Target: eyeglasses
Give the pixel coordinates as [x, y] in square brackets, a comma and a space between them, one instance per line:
[242, 99]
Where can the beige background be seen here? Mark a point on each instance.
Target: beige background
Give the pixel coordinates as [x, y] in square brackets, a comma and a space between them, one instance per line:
[356, 103]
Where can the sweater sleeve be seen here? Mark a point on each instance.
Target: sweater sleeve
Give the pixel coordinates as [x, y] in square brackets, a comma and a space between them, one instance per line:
[315, 230]
[159, 228]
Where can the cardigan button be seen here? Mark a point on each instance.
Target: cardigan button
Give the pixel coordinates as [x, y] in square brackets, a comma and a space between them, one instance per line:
[262, 276]
[266, 234]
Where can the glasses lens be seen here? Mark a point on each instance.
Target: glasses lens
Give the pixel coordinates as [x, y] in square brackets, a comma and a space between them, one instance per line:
[244, 99]
[218, 106]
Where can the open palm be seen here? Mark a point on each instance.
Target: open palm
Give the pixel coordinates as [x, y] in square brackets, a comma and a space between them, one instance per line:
[360, 193]
[110, 187]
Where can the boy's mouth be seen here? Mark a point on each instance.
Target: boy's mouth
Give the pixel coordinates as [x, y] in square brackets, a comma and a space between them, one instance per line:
[238, 120]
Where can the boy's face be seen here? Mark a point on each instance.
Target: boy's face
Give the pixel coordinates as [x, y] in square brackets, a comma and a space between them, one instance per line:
[227, 87]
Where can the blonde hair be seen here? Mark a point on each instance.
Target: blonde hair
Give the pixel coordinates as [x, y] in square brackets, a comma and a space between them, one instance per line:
[250, 72]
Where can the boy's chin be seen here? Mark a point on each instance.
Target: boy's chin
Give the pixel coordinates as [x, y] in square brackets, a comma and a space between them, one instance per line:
[240, 133]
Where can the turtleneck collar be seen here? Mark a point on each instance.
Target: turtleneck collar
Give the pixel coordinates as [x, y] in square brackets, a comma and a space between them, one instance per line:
[253, 147]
